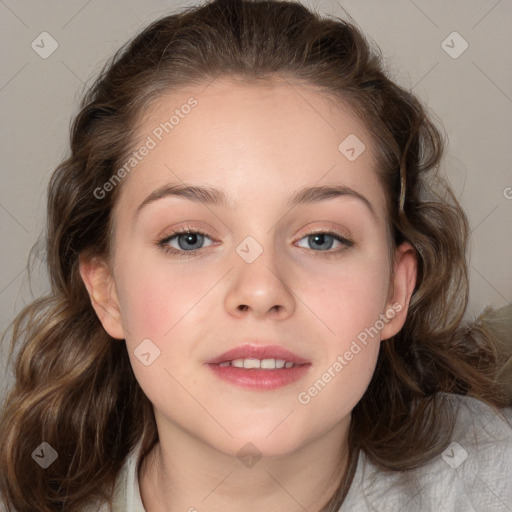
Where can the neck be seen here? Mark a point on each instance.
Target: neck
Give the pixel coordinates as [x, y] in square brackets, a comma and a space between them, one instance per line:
[182, 473]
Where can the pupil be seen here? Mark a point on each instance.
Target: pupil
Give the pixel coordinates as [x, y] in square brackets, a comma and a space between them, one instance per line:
[187, 240]
[320, 240]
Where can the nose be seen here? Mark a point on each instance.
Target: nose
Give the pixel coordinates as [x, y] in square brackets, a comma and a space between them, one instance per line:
[260, 288]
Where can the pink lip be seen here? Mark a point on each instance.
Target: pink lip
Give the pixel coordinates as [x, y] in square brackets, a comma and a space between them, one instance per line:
[250, 351]
[255, 378]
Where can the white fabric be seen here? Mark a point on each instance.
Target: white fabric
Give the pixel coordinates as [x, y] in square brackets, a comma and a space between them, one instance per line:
[474, 473]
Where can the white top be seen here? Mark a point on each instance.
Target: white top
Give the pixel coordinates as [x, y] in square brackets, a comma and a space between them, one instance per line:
[473, 474]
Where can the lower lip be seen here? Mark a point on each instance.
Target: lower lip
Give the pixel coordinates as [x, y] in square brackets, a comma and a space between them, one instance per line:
[254, 378]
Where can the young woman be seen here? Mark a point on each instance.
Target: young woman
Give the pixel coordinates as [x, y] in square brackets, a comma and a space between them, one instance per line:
[258, 281]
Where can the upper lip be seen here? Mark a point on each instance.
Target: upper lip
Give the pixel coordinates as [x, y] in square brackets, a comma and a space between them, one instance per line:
[251, 351]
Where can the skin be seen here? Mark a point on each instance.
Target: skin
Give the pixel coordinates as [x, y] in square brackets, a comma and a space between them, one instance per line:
[260, 144]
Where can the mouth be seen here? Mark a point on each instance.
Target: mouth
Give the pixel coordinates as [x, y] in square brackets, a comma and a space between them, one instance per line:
[259, 367]
[264, 364]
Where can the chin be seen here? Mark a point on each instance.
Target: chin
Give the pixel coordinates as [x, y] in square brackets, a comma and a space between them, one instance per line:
[257, 445]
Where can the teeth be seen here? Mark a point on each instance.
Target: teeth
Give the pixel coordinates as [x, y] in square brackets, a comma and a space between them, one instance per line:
[266, 364]
[252, 363]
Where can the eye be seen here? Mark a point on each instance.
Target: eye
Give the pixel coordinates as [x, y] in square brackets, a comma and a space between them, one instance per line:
[188, 242]
[183, 242]
[323, 241]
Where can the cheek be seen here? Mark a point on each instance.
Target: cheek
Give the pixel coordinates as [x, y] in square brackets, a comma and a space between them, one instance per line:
[350, 302]
[348, 297]
[156, 294]
[159, 302]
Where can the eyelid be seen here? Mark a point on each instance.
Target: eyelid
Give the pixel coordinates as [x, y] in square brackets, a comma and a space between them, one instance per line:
[185, 227]
[345, 235]
[183, 230]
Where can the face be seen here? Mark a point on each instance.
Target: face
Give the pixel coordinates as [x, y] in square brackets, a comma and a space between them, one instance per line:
[312, 277]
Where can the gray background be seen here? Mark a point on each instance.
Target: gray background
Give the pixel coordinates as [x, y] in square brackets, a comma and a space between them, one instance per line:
[471, 94]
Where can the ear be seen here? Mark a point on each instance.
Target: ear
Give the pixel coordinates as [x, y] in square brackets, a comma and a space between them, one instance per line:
[401, 288]
[100, 285]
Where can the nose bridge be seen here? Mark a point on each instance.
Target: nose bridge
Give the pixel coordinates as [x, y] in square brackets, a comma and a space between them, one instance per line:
[256, 260]
[259, 278]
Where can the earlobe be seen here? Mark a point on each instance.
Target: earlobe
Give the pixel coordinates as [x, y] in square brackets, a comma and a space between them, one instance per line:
[100, 286]
[401, 289]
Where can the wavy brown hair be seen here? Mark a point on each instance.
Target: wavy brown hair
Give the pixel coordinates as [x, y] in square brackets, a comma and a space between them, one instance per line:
[74, 386]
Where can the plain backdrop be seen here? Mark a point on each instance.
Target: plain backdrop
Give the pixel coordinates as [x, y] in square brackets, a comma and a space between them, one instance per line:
[471, 92]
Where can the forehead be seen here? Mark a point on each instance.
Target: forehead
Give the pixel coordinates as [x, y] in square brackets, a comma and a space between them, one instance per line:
[260, 140]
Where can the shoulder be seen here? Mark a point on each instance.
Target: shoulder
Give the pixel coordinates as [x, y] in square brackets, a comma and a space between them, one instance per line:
[473, 473]
[127, 493]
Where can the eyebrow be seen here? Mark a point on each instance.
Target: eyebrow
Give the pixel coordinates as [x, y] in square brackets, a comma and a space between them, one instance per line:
[215, 196]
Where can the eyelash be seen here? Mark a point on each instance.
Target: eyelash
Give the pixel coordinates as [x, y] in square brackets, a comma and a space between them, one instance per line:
[196, 252]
